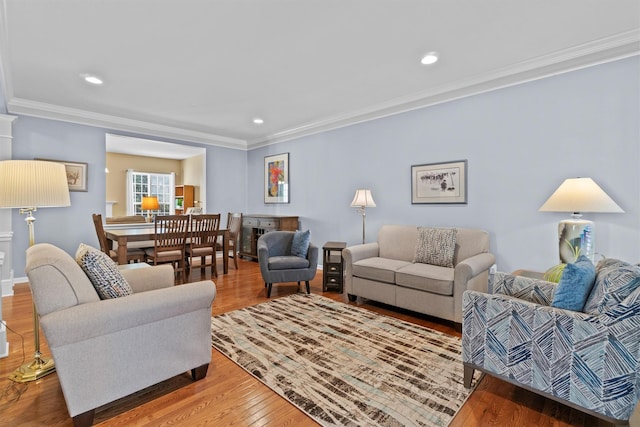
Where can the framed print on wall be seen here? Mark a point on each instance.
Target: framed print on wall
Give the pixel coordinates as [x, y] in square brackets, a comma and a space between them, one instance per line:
[276, 178]
[439, 183]
[76, 174]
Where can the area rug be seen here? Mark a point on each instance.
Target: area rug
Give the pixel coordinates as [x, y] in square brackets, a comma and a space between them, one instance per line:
[344, 365]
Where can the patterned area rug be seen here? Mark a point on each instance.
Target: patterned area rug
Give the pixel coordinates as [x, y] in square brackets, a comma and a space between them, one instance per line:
[344, 365]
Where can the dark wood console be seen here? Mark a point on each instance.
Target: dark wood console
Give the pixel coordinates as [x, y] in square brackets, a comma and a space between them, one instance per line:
[254, 226]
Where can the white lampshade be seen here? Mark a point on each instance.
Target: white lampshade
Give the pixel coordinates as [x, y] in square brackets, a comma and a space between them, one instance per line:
[33, 184]
[363, 198]
[580, 195]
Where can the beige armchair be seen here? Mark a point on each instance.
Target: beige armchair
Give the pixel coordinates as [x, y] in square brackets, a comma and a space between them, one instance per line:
[103, 348]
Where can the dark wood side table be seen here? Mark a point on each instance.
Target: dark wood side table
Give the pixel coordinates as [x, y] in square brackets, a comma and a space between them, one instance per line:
[332, 265]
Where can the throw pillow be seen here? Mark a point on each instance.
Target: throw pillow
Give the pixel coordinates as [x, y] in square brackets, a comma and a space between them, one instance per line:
[436, 246]
[300, 244]
[615, 280]
[575, 285]
[102, 272]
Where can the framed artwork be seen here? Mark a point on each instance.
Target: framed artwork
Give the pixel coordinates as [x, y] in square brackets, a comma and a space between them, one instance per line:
[76, 174]
[276, 178]
[439, 183]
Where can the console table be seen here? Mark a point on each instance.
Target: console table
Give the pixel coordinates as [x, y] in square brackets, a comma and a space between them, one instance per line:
[254, 226]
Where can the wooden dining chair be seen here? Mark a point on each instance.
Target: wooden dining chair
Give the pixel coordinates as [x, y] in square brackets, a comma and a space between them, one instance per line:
[169, 243]
[202, 241]
[234, 223]
[133, 254]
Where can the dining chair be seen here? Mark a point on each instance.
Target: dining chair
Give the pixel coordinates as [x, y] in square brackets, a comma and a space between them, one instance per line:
[202, 241]
[234, 223]
[133, 254]
[169, 242]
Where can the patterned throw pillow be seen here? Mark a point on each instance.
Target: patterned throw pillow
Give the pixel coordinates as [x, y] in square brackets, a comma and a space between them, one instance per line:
[436, 246]
[575, 285]
[102, 272]
[615, 280]
[300, 244]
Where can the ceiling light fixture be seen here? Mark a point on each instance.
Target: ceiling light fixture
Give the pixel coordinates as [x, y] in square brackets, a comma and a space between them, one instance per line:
[429, 58]
[94, 80]
[258, 121]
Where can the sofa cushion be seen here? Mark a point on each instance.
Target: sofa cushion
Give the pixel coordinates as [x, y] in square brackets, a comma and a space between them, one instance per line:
[426, 277]
[436, 246]
[376, 268]
[300, 243]
[287, 262]
[575, 285]
[103, 272]
[615, 280]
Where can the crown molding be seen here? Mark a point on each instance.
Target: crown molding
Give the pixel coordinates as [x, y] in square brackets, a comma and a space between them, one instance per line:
[83, 117]
[609, 49]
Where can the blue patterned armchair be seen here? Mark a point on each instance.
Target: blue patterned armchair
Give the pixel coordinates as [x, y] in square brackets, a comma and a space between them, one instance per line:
[587, 360]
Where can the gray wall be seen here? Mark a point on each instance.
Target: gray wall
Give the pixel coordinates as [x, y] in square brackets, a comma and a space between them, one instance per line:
[521, 142]
[68, 227]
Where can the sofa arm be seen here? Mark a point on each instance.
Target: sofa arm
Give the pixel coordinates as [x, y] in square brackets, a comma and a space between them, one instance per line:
[471, 267]
[526, 288]
[148, 279]
[90, 320]
[354, 254]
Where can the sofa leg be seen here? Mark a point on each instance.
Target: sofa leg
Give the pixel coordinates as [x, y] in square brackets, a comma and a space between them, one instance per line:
[352, 298]
[468, 376]
[269, 285]
[200, 372]
[85, 419]
[308, 287]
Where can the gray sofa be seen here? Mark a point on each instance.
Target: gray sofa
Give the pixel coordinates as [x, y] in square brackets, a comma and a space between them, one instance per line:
[384, 271]
[107, 349]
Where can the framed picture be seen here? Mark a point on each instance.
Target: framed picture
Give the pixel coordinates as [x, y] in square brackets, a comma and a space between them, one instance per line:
[76, 174]
[276, 178]
[439, 182]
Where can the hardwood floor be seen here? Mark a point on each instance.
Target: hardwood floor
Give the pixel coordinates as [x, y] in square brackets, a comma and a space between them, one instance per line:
[228, 396]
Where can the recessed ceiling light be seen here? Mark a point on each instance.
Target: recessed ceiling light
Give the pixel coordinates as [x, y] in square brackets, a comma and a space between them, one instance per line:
[429, 58]
[258, 121]
[90, 78]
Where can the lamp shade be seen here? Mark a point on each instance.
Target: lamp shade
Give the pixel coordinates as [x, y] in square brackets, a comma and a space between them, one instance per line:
[150, 203]
[363, 198]
[580, 195]
[33, 184]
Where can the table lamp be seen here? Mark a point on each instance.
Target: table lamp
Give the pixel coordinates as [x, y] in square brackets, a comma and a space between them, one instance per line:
[362, 200]
[576, 236]
[28, 185]
[150, 203]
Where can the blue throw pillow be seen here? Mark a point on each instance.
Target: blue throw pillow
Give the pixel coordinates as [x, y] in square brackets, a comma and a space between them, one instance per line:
[300, 244]
[575, 285]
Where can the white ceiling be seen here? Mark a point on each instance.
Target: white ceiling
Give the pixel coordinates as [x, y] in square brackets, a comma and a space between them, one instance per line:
[201, 70]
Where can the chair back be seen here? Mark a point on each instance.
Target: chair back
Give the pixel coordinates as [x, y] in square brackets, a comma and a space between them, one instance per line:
[102, 237]
[234, 222]
[204, 230]
[171, 232]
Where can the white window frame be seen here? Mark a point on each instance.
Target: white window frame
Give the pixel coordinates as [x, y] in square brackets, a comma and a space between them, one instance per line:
[165, 190]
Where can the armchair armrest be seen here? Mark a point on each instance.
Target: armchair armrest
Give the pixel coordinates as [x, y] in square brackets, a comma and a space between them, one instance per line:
[90, 320]
[147, 279]
[312, 256]
[525, 288]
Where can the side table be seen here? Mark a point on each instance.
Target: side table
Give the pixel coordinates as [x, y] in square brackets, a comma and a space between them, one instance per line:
[332, 265]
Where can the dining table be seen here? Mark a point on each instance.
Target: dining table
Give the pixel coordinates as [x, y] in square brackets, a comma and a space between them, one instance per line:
[144, 232]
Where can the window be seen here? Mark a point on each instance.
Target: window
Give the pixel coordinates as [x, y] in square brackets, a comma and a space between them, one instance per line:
[141, 184]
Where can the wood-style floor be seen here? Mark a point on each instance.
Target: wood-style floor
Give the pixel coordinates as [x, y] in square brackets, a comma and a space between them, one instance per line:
[228, 396]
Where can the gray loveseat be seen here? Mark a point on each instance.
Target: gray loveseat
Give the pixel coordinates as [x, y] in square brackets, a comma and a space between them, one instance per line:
[108, 349]
[384, 271]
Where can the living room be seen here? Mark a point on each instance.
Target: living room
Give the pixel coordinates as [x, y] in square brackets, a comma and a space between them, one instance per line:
[520, 139]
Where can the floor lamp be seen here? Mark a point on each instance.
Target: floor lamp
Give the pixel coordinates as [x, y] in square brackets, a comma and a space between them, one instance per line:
[362, 200]
[28, 185]
[576, 236]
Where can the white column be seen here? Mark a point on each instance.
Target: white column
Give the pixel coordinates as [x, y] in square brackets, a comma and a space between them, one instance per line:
[6, 233]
